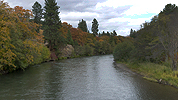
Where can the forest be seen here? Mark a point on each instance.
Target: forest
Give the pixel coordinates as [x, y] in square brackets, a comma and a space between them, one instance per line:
[156, 41]
[29, 37]
[153, 49]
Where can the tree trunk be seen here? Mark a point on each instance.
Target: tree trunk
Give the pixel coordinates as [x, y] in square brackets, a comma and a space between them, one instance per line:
[174, 66]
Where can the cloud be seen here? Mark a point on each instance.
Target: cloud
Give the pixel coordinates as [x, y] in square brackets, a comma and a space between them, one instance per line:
[102, 14]
[119, 15]
[78, 5]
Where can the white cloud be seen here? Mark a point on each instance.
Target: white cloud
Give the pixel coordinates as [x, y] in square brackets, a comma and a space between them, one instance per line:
[119, 15]
[138, 6]
[78, 15]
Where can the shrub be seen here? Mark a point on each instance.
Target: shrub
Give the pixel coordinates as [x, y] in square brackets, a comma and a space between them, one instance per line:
[123, 51]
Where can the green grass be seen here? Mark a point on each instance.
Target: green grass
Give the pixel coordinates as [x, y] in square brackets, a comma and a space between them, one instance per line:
[155, 72]
[150, 79]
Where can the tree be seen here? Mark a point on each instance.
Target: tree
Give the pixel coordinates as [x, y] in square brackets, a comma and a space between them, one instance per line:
[99, 35]
[37, 12]
[69, 38]
[95, 27]
[23, 14]
[132, 33]
[21, 45]
[169, 8]
[52, 24]
[103, 33]
[83, 25]
[123, 51]
[6, 55]
[168, 32]
[108, 34]
[114, 33]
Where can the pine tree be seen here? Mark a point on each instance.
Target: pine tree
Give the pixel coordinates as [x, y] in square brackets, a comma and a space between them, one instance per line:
[99, 35]
[114, 33]
[69, 38]
[108, 34]
[169, 8]
[103, 33]
[83, 25]
[131, 32]
[95, 27]
[52, 24]
[37, 12]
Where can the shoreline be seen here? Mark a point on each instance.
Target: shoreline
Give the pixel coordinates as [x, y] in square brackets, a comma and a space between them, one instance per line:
[135, 72]
[4, 72]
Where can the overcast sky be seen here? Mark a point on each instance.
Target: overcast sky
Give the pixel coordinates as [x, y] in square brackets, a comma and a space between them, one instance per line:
[119, 15]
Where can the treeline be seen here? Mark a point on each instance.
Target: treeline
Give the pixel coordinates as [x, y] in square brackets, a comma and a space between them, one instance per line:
[156, 41]
[31, 37]
[58, 34]
[86, 44]
[20, 44]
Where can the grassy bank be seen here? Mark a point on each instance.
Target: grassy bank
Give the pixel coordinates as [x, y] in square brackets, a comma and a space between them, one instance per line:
[155, 72]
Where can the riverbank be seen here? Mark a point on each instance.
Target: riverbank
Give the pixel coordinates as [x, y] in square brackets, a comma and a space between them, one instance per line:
[3, 72]
[152, 72]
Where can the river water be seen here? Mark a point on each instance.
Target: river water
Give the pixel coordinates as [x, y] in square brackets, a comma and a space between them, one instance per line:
[86, 78]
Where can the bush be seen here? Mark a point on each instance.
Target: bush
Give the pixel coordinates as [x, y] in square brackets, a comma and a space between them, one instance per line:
[88, 51]
[123, 51]
[79, 50]
[45, 53]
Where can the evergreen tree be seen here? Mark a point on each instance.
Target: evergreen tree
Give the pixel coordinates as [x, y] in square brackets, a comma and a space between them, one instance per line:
[37, 12]
[52, 24]
[114, 33]
[168, 35]
[83, 25]
[99, 35]
[69, 38]
[103, 33]
[169, 8]
[132, 33]
[108, 34]
[95, 27]
[111, 34]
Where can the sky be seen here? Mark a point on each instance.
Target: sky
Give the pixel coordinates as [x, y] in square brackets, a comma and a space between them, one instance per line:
[119, 15]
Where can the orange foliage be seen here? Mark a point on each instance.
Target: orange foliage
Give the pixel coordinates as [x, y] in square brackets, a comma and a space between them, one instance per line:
[15, 27]
[104, 38]
[116, 39]
[66, 25]
[64, 29]
[82, 38]
[23, 14]
[79, 35]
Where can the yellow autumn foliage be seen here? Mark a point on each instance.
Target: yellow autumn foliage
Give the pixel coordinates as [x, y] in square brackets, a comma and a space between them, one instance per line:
[20, 44]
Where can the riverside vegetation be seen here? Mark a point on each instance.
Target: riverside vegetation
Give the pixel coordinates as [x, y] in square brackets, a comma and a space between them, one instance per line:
[31, 37]
[153, 50]
[26, 40]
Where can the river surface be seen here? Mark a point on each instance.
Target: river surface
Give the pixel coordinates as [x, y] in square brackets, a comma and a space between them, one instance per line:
[86, 78]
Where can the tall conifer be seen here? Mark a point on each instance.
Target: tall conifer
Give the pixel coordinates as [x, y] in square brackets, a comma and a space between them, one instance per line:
[52, 24]
[95, 27]
[83, 25]
[37, 12]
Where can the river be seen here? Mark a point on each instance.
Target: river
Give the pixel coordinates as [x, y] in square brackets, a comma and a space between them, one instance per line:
[86, 78]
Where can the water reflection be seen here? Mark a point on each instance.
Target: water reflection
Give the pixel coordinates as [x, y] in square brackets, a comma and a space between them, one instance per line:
[87, 78]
